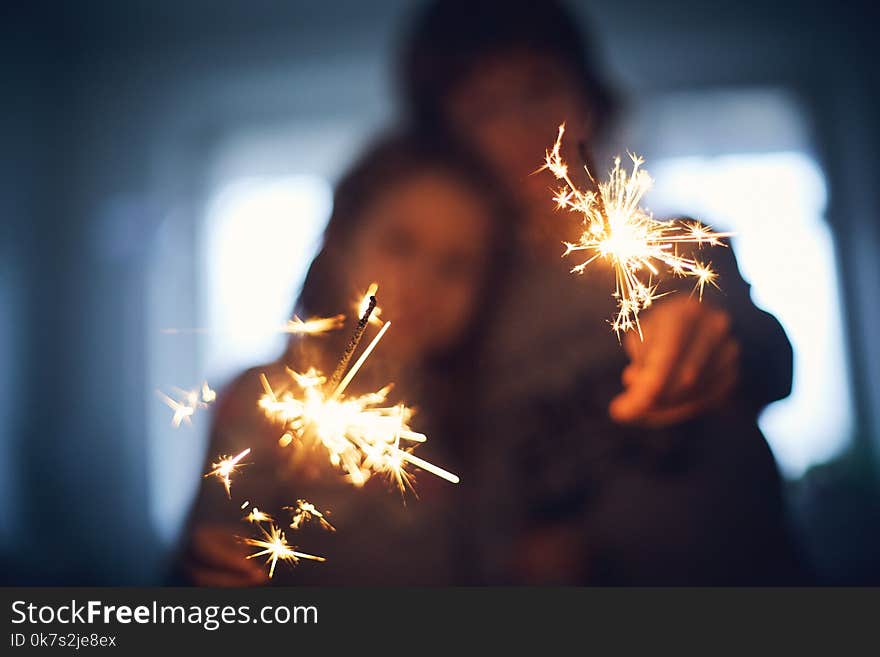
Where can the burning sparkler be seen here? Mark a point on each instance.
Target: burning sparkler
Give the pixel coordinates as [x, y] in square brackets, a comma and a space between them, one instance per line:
[276, 548]
[361, 305]
[304, 511]
[617, 229]
[225, 467]
[187, 402]
[361, 435]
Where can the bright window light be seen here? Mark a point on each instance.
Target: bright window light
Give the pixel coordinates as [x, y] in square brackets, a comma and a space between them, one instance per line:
[261, 235]
[775, 204]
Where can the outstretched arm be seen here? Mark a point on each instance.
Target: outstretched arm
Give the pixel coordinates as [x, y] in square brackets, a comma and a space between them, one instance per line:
[696, 355]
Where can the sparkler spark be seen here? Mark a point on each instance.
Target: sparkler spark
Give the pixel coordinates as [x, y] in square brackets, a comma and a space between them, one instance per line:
[208, 395]
[315, 325]
[187, 402]
[276, 548]
[617, 229]
[361, 435]
[304, 511]
[257, 516]
[183, 412]
[225, 467]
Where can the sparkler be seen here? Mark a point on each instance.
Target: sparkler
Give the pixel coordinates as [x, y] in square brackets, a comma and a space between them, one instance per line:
[352, 346]
[188, 401]
[304, 511]
[361, 305]
[362, 436]
[276, 548]
[225, 467]
[617, 229]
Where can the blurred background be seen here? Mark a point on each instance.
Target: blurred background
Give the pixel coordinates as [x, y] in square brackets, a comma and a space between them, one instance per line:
[171, 165]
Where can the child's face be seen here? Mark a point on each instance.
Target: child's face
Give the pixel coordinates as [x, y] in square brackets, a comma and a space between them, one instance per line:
[425, 243]
[509, 108]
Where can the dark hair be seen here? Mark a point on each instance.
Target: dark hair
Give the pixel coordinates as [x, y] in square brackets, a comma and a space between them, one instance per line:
[449, 37]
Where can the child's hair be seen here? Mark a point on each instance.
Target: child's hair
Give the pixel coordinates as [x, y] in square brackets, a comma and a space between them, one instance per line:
[388, 163]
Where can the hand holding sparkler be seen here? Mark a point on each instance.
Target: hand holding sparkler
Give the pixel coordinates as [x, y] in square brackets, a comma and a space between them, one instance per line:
[685, 359]
[686, 364]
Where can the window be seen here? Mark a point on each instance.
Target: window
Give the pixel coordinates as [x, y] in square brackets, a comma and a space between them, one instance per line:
[260, 236]
[774, 200]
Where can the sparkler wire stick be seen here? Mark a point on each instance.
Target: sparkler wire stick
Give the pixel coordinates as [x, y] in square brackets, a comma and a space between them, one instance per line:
[352, 344]
[428, 467]
[359, 362]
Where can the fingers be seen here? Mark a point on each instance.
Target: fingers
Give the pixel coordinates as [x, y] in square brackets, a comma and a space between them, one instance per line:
[700, 355]
[712, 390]
[687, 362]
[665, 338]
[216, 556]
[688, 410]
[633, 345]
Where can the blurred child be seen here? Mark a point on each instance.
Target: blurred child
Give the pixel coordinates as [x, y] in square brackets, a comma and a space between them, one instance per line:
[418, 219]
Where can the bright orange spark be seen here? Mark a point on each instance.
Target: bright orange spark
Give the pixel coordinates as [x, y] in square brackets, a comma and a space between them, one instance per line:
[225, 467]
[305, 511]
[276, 548]
[257, 516]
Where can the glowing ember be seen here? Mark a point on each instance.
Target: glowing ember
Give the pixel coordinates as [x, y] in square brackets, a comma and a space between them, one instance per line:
[362, 304]
[304, 512]
[276, 548]
[225, 467]
[257, 516]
